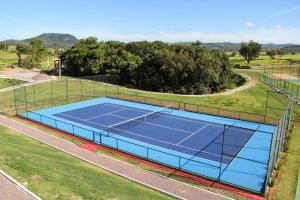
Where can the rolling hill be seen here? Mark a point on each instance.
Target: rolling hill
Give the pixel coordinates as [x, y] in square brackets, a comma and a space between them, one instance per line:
[51, 40]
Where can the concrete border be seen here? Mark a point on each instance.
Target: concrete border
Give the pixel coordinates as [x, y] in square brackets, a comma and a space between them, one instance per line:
[9, 178]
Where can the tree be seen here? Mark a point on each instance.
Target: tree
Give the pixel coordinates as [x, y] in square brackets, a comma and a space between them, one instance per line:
[271, 53]
[35, 52]
[233, 54]
[250, 50]
[21, 49]
[280, 52]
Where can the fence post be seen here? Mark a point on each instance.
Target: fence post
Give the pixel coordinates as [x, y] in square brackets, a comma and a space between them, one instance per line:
[266, 105]
[80, 88]
[51, 91]
[25, 91]
[94, 86]
[34, 96]
[106, 85]
[15, 100]
[66, 90]
[118, 85]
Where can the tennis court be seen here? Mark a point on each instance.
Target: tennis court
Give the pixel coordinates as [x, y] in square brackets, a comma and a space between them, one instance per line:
[232, 151]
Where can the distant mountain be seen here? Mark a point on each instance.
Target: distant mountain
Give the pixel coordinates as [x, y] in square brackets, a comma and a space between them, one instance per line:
[292, 48]
[229, 46]
[51, 40]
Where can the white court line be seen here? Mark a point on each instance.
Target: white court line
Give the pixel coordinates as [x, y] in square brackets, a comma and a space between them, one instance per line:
[193, 133]
[175, 129]
[83, 120]
[197, 150]
[106, 114]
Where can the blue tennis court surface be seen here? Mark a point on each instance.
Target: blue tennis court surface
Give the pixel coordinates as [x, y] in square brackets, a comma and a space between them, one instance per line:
[233, 151]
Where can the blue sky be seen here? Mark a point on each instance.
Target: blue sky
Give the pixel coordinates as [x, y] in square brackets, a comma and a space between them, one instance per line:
[276, 21]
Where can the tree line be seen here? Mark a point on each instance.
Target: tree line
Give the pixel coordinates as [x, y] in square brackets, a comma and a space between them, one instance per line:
[154, 66]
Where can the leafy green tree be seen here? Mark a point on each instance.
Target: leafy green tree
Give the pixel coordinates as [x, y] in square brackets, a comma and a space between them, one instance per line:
[250, 50]
[34, 53]
[271, 53]
[21, 49]
[85, 58]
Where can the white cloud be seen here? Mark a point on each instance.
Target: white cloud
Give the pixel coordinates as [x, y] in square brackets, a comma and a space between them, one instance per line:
[278, 26]
[249, 24]
[286, 12]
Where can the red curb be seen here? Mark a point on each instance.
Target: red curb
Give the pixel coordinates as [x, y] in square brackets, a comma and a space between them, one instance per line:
[164, 168]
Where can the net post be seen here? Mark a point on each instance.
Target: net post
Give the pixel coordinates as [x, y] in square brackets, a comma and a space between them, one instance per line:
[222, 149]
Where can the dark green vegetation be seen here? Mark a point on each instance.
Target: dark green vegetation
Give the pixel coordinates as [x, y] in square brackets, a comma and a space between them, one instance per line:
[5, 82]
[50, 40]
[52, 174]
[154, 66]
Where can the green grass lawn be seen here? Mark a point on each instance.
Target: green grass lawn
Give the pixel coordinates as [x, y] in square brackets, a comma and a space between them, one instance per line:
[52, 174]
[7, 58]
[4, 82]
[264, 60]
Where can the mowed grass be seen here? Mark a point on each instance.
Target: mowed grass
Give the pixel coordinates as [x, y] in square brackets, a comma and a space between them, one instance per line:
[265, 60]
[52, 174]
[4, 82]
[286, 185]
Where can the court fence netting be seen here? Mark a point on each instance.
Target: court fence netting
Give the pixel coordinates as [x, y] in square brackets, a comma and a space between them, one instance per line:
[63, 91]
[285, 79]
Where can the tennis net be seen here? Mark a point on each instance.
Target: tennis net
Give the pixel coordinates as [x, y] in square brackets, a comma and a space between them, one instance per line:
[144, 118]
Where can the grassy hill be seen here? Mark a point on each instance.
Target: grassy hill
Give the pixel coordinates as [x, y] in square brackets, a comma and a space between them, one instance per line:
[51, 40]
[292, 48]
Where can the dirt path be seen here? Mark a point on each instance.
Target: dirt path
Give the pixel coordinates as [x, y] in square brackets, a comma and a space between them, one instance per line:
[10, 189]
[172, 187]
